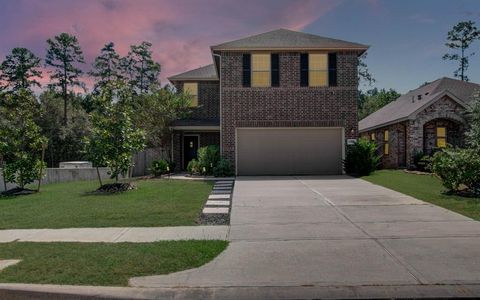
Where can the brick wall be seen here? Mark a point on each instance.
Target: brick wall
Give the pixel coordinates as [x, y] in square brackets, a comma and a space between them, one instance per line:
[206, 139]
[419, 134]
[288, 105]
[208, 100]
[396, 156]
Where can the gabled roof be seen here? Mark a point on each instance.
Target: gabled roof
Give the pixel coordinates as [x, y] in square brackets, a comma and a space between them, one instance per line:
[288, 39]
[203, 73]
[406, 106]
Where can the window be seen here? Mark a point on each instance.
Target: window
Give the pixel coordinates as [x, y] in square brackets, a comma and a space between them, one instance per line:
[372, 136]
[386, 145]
[192, 89]
[261, 70]
[318, 69]
[441, 137]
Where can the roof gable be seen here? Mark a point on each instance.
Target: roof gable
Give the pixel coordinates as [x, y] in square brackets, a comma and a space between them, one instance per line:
[288, 39]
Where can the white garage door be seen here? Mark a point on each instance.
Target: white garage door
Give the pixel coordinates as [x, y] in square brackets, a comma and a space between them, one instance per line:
[289, 151]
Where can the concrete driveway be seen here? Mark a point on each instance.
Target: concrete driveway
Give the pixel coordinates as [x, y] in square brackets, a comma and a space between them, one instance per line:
[336, 232]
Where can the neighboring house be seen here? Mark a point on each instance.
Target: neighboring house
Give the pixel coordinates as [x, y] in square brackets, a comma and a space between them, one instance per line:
[420, 121]
[277, 103]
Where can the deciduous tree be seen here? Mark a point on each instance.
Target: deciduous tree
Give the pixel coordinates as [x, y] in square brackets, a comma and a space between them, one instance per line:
[21, 141]
[374, 99]
[473, 114]
[114, 135]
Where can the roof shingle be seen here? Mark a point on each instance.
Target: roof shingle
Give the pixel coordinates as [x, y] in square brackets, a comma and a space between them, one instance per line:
[288, 39]
[203, 73]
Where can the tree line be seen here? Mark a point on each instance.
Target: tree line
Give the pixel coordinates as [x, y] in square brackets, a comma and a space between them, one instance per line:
[126, 110]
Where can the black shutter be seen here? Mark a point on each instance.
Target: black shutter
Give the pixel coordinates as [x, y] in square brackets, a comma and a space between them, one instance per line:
[246, 70]
[332, 69]
[275, 69]
[304, 69]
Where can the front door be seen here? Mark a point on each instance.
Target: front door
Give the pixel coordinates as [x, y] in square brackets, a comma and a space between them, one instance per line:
[190, 148]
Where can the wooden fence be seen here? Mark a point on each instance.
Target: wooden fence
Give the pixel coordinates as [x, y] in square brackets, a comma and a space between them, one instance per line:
[143, 160]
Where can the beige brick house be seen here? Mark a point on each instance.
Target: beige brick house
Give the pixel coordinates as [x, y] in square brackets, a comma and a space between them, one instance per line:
[421, 121]
[277, 103]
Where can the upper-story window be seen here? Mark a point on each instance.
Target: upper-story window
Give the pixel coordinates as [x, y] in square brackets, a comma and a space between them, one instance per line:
[318, 69]
[261, 65]
[192, 89]
[261, 70]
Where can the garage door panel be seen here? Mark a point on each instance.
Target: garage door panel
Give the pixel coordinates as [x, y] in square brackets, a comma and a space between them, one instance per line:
[280, 151]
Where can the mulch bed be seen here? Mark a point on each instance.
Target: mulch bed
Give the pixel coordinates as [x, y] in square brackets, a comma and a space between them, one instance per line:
[417, 172]
[214, 219]
[113, 188]
[17, 192]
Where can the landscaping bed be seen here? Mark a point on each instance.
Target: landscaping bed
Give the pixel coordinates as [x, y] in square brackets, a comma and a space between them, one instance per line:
[106, 264]
[154, 202]
[427, 188]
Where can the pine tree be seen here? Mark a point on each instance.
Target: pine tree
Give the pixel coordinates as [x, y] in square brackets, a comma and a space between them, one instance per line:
[106, 67]
[140, 69]
[20, 70]
[64, 54]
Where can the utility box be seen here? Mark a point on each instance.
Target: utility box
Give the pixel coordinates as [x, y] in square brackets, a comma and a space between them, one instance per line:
[75, 165]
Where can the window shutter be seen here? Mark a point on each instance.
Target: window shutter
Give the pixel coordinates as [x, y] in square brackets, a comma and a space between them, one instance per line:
[247, 70]
[332, 69]
[304, 69]
[275, 69]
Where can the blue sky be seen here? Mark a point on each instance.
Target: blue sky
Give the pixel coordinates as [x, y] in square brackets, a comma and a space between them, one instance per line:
[406, 37]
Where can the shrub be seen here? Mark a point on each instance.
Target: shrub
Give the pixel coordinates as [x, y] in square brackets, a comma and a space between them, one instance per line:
[223, 168]
[421, 161]
[362, 158]
[457, 168]
[208, 158]
[160, 167]
[193, 167]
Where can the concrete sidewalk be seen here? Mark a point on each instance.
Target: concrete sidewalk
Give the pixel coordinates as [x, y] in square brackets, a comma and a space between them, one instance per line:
[116, 234]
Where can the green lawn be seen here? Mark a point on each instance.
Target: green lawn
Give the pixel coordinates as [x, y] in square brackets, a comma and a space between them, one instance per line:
[427, 188]
[156, 202]
[102, 264]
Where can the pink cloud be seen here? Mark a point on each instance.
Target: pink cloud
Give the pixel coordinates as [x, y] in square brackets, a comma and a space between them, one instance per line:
[181, 31]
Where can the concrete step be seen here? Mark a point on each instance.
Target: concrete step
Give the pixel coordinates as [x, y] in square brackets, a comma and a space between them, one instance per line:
[216, 210]
[219, 197]
[217, 203]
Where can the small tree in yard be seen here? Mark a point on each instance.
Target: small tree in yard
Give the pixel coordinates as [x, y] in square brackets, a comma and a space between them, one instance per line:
[114, 136]
[21, 142]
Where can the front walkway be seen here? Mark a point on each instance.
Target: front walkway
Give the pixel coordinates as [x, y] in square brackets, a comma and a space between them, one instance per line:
[116, 234]
[336, 232]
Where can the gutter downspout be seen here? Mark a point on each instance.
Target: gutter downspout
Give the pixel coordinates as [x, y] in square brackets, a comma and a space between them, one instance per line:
[220, 90]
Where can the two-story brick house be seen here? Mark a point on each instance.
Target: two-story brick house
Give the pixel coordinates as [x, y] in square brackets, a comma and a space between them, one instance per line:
[277, 103]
